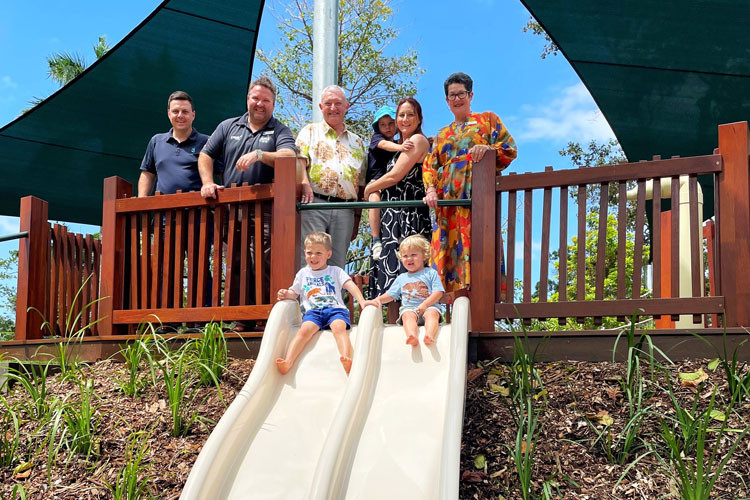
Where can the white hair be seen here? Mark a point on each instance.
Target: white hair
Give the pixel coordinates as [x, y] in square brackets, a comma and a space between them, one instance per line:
[333, 88]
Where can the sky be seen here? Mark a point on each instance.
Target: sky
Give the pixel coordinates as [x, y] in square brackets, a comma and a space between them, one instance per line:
[541, 101]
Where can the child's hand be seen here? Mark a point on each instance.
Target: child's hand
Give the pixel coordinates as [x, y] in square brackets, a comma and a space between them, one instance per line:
[283, 294]
[407, 145]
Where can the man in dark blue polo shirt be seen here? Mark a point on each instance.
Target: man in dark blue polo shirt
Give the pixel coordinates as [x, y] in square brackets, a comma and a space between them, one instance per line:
[248, 147]
[171, 159]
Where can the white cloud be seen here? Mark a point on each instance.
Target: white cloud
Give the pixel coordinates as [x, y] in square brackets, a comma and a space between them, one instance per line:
[7, 82]
[573, 116]
[8, 224]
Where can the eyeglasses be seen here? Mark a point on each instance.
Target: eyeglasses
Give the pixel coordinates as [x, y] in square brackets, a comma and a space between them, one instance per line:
[461, 95]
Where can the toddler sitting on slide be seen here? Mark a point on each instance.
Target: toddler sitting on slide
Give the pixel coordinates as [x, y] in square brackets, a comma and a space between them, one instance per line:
[419, 290]
[319, 286]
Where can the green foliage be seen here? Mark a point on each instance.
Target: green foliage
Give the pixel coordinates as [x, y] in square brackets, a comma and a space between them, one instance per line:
[8, 279]
[80, 420]
[66, 66]
[610, 264]
[697, 474]
[32, 377]
[179, 380]
[211, 353]
[9, 435]
[134, 353]
[533, 26]
[736, 372]
[370, 73]
[132, 480]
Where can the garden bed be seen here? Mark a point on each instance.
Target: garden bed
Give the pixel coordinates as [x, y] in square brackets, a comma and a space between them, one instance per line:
[575, 402]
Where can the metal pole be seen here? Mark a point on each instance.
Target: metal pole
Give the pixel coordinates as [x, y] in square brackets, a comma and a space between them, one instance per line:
[325, 50]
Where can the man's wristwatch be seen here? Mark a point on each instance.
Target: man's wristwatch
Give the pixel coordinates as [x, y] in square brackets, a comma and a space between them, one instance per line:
[259, 154]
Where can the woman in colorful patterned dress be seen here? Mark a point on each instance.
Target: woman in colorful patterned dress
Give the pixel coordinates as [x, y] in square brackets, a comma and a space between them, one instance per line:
[447, 175]
[402, 181]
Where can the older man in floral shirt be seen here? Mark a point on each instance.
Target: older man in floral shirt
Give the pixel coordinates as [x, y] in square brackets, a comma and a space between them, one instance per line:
[337, 161]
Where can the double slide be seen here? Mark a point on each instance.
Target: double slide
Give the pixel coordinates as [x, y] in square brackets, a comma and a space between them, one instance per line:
[390, 430]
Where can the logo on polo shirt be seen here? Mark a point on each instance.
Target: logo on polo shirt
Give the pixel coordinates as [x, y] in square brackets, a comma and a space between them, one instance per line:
[192, 150]
[235, 137]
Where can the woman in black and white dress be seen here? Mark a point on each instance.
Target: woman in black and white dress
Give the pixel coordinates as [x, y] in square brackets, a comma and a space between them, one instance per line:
[402, 181]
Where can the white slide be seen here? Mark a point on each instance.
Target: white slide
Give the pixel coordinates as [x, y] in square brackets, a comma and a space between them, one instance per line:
[392, 429]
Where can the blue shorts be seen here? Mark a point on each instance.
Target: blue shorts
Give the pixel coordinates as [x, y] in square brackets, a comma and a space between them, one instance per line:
[324, 317]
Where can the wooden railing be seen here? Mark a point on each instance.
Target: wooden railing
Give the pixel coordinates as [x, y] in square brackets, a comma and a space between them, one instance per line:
[58, 279]
[153, 246]
[157, 253]
[731, 176]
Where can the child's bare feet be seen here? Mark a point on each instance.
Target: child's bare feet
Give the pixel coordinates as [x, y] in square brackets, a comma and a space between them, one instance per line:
[428, 340]
[412, 340]
[347, 362]
[283, 365]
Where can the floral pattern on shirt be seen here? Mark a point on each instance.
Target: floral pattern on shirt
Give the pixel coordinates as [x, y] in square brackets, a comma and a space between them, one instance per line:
[336, 163]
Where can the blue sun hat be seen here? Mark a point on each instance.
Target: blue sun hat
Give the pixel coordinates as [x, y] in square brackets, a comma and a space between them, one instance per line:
[380, 113]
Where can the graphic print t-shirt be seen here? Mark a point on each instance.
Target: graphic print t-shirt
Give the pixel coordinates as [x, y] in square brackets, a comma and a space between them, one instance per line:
[319, 289]
[413, 288]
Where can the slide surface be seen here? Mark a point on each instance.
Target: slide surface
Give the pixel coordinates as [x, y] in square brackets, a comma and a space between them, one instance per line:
[391, 429]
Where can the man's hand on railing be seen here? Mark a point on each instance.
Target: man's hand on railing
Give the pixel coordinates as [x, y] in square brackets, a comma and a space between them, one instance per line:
[307, 192]
[210, 190]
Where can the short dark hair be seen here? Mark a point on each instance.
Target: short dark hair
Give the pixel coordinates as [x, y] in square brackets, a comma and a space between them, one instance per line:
[180, 95]
[263, 81]
[417, 108]
[461, 78]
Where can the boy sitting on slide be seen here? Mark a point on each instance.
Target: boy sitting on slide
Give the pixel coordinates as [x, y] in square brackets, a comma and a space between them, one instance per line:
[419, 290]
[319, 286]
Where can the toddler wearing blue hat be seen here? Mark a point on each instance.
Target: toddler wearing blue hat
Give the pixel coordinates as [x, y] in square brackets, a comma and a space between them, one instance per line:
[381, 151]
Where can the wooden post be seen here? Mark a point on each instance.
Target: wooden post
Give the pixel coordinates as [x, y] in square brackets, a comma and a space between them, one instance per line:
[113, 253]
[483, 229]
[665, 321]
[285, 235]
[734, 222]
[33, 268]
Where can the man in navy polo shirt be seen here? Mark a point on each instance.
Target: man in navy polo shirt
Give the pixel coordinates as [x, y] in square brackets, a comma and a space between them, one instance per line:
[248, 147]
[171, 159]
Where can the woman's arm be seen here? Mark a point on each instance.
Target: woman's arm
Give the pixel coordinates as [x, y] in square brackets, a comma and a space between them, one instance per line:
[405, 162]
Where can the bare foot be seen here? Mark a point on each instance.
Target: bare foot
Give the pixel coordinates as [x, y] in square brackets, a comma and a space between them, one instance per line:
[412, 340]
[347, 362]
[283, 366]
[428, 340]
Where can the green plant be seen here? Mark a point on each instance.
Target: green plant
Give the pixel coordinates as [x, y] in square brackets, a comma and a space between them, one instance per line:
[686, 420]
[525, 446]
[80, 421]
[736, 373]
[619, 447]
[632, 384]
[9, 435]
[696, 476]
[73, 330]
[132, 480]
[134, 353]
[179, 380]
[525, 384]
[33, 378]
[18, 492]
[211, 352]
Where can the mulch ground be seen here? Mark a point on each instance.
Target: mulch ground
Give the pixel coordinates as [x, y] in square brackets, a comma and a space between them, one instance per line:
[565, 455]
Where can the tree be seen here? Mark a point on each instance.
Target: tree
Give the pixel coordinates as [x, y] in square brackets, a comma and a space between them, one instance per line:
[8, 275]
[63, 67]
[370, 75]
[550, 48]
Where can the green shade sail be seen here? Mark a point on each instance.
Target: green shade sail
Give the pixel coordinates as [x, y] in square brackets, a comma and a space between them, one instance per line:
[99, 124]
[665, 73]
